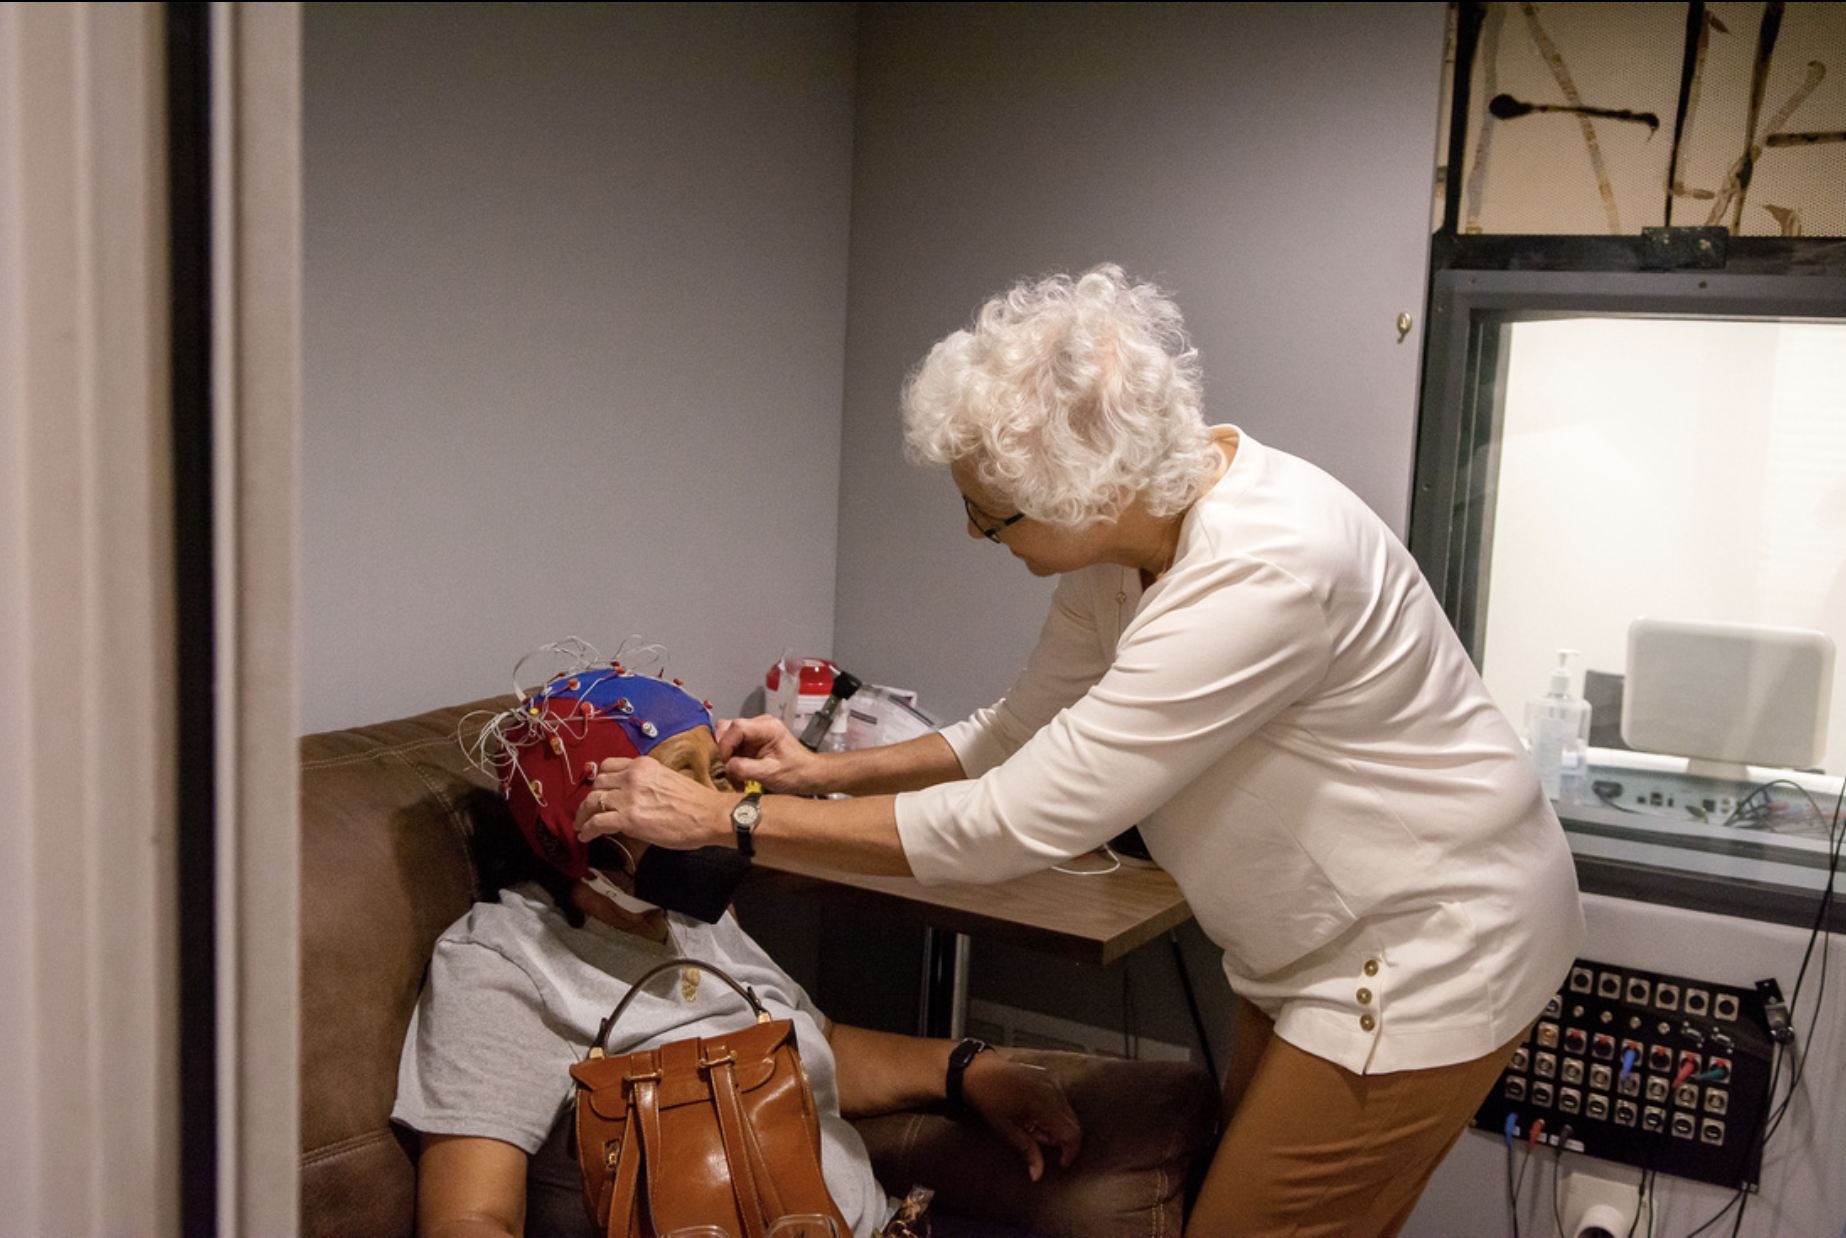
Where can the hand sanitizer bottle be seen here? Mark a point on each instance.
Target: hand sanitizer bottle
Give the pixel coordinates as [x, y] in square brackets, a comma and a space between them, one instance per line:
[1558, 733]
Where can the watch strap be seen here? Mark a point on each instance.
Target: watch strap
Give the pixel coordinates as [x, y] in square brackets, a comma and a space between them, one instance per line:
[743, 821]
[959, 1057]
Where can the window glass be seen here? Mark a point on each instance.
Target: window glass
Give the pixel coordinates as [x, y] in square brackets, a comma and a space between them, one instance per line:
[1676, 469]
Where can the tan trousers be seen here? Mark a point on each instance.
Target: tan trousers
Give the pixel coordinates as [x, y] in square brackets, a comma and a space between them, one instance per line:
[1312, 1150]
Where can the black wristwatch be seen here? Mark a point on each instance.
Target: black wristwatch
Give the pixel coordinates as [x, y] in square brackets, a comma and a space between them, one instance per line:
[744, 817]
[959, 1057]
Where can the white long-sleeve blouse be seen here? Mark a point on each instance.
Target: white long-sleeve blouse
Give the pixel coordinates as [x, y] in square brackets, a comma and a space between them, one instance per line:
[1291, 721]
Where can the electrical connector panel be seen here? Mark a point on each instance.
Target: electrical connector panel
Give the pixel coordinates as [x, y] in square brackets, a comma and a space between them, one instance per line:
[1662, 1072]
[1768, 813]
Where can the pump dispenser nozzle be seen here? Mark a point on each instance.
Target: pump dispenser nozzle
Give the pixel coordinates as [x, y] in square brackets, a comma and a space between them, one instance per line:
[1560, 675]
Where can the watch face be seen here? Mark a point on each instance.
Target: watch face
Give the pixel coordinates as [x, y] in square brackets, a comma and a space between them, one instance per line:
[747, 814]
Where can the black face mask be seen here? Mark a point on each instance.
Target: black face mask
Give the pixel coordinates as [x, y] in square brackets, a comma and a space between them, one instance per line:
[697, 883]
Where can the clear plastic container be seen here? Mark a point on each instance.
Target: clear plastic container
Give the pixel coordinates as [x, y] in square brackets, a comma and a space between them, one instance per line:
[1557, 727]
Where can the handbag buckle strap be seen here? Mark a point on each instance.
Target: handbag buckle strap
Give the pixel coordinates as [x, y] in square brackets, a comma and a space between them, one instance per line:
[742, 990]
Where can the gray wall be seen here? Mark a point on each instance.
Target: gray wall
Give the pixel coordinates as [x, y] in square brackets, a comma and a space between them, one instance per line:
[1270, 164]
[578, 319]
[575, 287]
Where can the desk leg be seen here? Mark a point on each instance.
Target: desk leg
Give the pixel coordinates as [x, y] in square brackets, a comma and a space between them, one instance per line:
[942, 1007]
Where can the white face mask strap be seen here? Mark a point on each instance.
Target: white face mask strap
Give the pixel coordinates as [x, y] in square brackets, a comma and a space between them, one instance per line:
[615, 894]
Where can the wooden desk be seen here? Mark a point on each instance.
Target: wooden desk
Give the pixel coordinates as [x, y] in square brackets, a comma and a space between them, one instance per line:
[1096, 918]
[1093, 919]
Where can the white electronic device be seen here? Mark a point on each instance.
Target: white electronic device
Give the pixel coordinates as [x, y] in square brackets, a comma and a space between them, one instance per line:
[1728, 693]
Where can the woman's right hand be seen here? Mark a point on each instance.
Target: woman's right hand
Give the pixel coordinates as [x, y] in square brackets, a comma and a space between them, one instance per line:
[761, 749]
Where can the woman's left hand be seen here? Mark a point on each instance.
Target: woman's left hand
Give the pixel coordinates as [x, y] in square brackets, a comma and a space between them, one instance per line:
[1025, 1106]
[641, 798]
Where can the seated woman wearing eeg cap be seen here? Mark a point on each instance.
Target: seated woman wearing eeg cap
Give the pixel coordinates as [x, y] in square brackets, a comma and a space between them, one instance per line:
[517, 989]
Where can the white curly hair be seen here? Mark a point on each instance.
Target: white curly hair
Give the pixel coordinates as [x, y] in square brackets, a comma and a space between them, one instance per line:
[1071, 397]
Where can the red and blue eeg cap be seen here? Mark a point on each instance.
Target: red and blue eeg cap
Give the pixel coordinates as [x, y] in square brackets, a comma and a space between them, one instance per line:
[556, 738]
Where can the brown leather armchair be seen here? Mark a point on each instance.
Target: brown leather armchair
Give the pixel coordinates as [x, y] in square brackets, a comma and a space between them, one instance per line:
[388, 812]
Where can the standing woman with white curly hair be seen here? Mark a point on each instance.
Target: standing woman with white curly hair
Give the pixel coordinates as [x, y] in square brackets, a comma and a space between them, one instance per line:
[1244, 661]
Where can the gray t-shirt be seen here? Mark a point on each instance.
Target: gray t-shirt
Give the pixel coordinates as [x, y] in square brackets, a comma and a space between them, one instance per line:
[513, 999]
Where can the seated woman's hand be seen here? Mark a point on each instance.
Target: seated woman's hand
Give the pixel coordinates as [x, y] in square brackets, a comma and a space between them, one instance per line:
[761, 749]
[1026, 1107]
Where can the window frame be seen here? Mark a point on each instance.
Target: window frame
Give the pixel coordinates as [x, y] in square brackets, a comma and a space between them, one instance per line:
[1460, 416]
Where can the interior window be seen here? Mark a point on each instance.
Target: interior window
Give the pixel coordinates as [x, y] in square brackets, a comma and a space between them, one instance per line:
[1592, 474]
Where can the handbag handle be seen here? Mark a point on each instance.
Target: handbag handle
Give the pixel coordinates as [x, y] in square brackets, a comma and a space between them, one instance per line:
[743, 991]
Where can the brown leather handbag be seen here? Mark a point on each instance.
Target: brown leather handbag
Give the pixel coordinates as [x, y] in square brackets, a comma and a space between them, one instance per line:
[712, 1137]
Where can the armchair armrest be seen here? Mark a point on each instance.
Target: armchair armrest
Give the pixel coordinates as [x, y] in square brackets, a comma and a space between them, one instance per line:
[1147, 1130]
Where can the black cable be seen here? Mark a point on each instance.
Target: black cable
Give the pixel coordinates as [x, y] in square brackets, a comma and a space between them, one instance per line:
[1644, 1196]
[1512, 1195]
[1772, 1120]
[1557, 1183]
[1743, 1202]
[1606, 796]
[1192, 1003]
[1519, 1189]
[1512, 1184]
[1836, 836]
[1736, 1201]
[1756, 811]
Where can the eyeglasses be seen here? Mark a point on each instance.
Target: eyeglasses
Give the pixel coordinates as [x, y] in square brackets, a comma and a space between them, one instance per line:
[979, 519]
